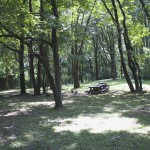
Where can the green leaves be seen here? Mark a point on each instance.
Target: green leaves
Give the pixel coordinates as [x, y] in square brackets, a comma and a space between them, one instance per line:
[137, 33]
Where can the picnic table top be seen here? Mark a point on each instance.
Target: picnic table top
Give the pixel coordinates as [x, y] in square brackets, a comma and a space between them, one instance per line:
[102, 83]
[98, 85]
[95, 86]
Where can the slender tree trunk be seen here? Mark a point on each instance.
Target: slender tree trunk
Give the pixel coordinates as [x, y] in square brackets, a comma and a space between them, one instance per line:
[128, 79]
[75, 68]
[7, 83]
[21, 57]
[77, 50]
[91, 67]
[39, 71]
[44, 83]
[30, 6]
[96, 58]
[31, 59]
[145, 9]
[41, 51]
[133, 64]
[6, 79]
[76, 76]
[57, 68]
[81, 70]
[112, 54]
[51, 80]
[113, 65]
[116, 20]
[21, 66]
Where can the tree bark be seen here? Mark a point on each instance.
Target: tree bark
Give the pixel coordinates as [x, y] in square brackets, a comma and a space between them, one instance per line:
[51, 80]
[31, 59]
[57, 68]
[41, 51]
[111, 44]
[96, 58]
[21, 66]
[75, 68]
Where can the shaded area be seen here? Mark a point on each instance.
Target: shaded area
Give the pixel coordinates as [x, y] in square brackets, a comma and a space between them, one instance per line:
[82, 141]
[31, 123]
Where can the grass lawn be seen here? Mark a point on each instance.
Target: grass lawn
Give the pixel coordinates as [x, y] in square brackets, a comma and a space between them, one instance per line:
[116, 120]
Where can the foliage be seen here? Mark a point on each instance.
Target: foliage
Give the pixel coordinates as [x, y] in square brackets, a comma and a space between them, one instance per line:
[8, 63]
[18, 21]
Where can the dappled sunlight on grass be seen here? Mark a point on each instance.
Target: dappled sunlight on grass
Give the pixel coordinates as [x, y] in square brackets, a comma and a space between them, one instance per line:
[24, 108]
[18, 144]
[114, 120]
[101, 123]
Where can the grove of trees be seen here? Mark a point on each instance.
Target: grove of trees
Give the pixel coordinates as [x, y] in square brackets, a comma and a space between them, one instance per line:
[54, 42]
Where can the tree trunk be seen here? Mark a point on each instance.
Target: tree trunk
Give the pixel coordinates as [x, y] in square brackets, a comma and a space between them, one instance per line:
[57, 68]
[44, 83]
[41, 51]
[127, 77]
[21, 66]
[96, 58]
[116, 20]
[7, 82]
[133, 64]
[31, 59]
[38, 86]
[145, 9]
[75, 68]
[112, 54]
[113, 64]
[81, 75]
[58, 104]
[76, 76]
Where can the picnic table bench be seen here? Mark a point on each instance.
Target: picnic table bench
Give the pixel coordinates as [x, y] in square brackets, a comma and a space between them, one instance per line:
[99, 88]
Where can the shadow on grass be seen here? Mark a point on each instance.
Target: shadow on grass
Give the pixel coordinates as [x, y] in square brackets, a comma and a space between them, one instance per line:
[30, 123]
[47, 139]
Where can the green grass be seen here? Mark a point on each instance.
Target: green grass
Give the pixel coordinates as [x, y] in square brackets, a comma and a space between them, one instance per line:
[116, 120]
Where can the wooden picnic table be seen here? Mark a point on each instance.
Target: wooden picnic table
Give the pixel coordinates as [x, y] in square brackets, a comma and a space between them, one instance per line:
[99, 88]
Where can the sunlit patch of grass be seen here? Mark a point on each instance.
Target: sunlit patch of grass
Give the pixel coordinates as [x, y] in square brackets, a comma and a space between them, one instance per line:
[146, 82]
[114, 120]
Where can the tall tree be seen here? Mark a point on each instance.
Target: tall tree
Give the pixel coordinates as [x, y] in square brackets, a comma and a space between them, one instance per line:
[57, 67]
[78, 43]
[120, 46]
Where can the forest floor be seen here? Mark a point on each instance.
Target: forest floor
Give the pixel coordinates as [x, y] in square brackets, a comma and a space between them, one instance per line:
[116, 120]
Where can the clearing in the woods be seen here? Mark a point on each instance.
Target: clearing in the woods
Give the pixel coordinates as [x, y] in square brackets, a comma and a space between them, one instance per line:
[114, 120]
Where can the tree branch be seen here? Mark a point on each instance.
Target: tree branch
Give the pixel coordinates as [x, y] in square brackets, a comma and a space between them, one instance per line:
[108, 10]
[144, 7]
[88, 20]
[12, 49]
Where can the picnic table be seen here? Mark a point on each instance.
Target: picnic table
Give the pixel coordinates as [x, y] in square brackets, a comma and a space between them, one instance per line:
[99, 88]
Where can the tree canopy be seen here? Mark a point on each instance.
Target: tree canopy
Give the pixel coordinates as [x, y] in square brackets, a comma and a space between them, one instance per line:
[63, 41]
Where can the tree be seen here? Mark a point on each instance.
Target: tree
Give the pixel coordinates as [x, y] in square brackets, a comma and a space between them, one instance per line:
[132, 62]
[24, 32]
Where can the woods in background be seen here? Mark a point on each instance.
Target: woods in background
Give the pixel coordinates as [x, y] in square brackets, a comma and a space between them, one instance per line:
[50, 43]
